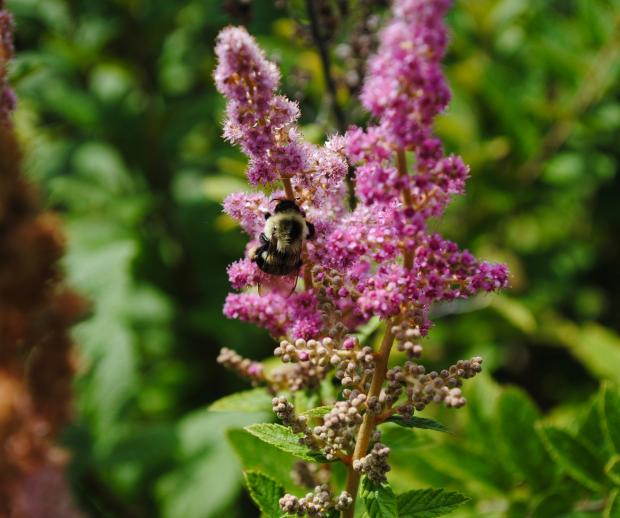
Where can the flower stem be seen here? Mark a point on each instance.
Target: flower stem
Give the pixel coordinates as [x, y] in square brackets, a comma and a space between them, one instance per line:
[369, 423]
[308, 282]
[382, 356]
[320, 41]
[401, 161]
[288, 188]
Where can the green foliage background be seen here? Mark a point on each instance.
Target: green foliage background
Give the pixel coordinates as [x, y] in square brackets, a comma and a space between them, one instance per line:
[121, 129]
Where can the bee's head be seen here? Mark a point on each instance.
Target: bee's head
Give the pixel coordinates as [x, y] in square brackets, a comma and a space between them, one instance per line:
[287, 206]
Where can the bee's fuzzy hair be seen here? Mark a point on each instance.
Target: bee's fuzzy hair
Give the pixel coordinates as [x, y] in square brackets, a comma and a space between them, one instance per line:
[276, 221]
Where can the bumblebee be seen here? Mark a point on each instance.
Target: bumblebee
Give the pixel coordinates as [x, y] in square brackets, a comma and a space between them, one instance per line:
[281, 240]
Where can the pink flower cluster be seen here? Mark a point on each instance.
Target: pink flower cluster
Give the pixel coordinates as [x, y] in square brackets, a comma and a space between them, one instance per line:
[356, 256]
[405, 86]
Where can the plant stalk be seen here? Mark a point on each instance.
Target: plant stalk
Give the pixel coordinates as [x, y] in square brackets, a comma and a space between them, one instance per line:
[401, 161]
[288, 188]
[382, 356]
[369, 423]
[330, 83]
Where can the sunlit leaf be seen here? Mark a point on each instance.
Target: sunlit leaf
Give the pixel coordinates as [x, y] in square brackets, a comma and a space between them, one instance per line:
[520, 443]
[255, 400]
[265, 492]
[610, 401]
[284, 439]
[380, 500]
[257, 455]
[573, 456]
[418, 422]
[427, 503]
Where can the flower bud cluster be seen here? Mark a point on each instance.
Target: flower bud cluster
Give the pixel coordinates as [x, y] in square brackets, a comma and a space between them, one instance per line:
[297, 377]
[374, 465]
[422, 389]
[353, 364]
[242, 366]
[318, 503]
[286, 413]
[407, 333]
[339, 428]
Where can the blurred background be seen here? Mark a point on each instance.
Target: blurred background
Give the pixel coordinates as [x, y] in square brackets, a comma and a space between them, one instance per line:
[121, 128]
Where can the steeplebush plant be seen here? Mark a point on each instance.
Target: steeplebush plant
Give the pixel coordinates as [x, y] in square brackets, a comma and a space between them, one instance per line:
[376, 261]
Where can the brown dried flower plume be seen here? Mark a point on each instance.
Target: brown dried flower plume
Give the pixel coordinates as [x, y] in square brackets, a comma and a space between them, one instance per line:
[36, 312]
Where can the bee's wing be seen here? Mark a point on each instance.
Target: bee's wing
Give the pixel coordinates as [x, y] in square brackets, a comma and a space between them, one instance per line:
[281, 284]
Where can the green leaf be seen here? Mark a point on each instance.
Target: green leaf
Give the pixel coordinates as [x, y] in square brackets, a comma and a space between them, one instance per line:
[380, 500]
[573, 456]
[591, 428]
[610, 401]
[597, 347]
[204, 461]
[612, 469]
[265, 492]
[255, 455]
[471, 465]
[426, 503]
[520, 443]
[612, 510]
[404, 441]
[284, 439]
[482, 399]
[256, 400]
[418, 422]
[558, 502]
[182, 491]
[318, 411]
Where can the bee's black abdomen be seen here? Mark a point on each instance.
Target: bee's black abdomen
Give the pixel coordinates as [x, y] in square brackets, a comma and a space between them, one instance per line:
[279, 267]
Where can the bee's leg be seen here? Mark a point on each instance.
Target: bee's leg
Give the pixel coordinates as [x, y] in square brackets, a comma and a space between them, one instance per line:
[263, 239]
[294, 285]
[311, 230]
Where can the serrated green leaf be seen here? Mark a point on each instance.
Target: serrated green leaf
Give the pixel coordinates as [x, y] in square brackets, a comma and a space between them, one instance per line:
[255, 455]
[380, 500]
[205, 461]
[610, 400]
[284, 439]
[612, 469]
[482, 400]
[573, 456]
[265, 492]
[404, 441]
[591, 428]
[181, 492]
[318, 411]
[612, 509]
[521, 446]
[418, 422]
[557, 502]
[471, 466]
[427, 503]
[255, 400]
